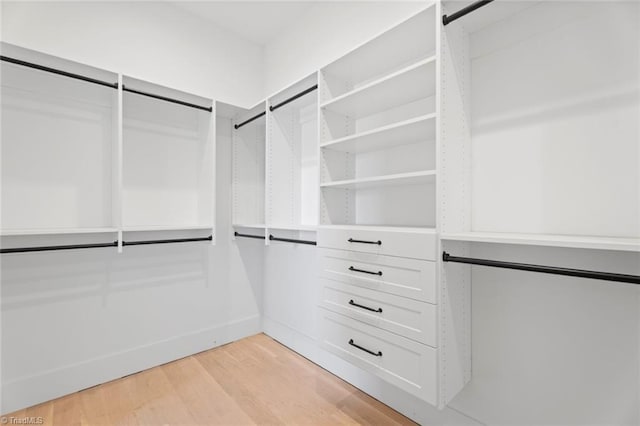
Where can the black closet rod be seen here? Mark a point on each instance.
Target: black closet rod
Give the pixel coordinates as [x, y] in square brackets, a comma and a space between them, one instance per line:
[293, 98]
[274, 107]
[175, 240]
[100, 245]
[581, 273]
[55, 248]
[59, 72]
[164, 98]
[238, 234]
[446, 19]
[291, 240]
[100, 82]
[255, 117]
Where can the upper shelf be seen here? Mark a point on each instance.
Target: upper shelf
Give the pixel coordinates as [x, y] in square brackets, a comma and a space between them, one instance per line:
[145, 228]
[56, 231]
[413, 178]
[417, 81]
[403, 44]
[293, 227]
[385, 228]
[548, 240]
[405, 132]
[250, 225]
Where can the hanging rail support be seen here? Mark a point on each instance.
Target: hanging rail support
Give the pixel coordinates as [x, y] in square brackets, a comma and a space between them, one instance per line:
[580, 273]
[293, 98]
[58, 72]
[255, 117]
[175, 240]
[258, 237]
[291, 240]
[164, 98]
[56, 248]
[447, 19]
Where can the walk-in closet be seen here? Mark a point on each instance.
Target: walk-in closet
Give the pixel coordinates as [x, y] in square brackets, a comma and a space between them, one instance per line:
[359, 212]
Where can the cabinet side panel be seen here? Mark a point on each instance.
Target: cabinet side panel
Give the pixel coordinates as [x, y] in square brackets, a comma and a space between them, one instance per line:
[454, 170]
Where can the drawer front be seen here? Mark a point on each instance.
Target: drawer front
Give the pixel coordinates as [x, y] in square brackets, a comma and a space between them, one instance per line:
[404, 363]
[411, 278]
[406, 317]
[390, 243]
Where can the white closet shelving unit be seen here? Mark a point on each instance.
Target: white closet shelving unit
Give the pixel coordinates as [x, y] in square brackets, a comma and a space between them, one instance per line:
[383, 305]
[522, 193]
[48, 122]
[147, 158]
[168, 161]
[249, 147]
[378, 130]
[275, 163]
[292, 158]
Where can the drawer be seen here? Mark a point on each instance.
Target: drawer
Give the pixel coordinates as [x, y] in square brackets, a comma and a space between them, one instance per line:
[404, 363]
[406, 317]
[386, 242]
[411, 278]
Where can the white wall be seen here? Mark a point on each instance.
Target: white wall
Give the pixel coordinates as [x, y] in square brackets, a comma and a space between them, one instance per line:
[326, 32]
[152, 41]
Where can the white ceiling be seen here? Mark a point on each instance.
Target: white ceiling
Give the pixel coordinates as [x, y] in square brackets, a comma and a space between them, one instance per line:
[256, 21]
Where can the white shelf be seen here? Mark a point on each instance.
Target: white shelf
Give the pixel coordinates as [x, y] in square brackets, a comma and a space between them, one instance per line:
[166, 228]
[250, 225]
[548, 240]
[408, 40]
[407, 85]
[405, 132]
[414, 178]
[294, 227]
[54, 231]
[385, 228]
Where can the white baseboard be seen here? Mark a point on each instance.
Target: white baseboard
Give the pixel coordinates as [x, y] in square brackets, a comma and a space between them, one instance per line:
[45, 386]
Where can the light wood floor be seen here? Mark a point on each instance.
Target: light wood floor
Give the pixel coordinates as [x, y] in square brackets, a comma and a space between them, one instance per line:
[253, 381]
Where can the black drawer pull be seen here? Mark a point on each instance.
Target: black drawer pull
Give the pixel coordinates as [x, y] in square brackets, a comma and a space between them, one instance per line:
[352, 303]
[351, 240]
[365, 349]
[351, 268]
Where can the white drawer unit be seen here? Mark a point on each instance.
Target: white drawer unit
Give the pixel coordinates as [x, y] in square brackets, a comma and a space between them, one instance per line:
[409, 318]
[379, 240]
[409, 365]
[405, 277]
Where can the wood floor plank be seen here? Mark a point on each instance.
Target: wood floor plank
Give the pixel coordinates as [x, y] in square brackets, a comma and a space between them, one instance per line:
[41, 410]
[249, 382]
[205, 399]
[68, 411]
[156, 400]
[121, 408]
[258, 410]
[94, 406]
